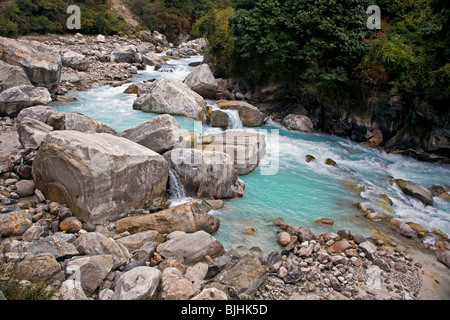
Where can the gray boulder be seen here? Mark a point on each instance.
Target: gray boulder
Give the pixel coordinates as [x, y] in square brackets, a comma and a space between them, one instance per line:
[206, 173]
[99, 175]
[159, 134]
[202, 81]
[125, 54]
[173, 97]
[32, 132]
[41, 63]
[74, 60]
[40, 113]
[191, 248]
[151, 59]
[298, 123]
[416, 190]
[14, 99]
[78, 122]
[12, 76]
[249, 114]
[139, 283]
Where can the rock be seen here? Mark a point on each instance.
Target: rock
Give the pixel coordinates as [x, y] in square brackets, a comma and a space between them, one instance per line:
[155, 38]
[191, 248]
[171, 96]
[94, 243]
[90, 271]
[245, 276]
[126, 54]
[159, 134]
[444, 257]
[12, 76]
[25, 188]
[326, 221]
[14, 99]
[151, 59]
[249, 231]
[249, 114]
[40, 113]
[310, 158]
[219, 118]
[330, 162]
[78, 122]
[70, 225]
[140, 283]
[407, 231]
[40, 268]
[374, 137]
[41, 63]
[341, 245]
[245, 148]
[421, 231]
[283, 238]
[32, 132]
[358, 239]
[293, 275]
[71, 290]
[74, 60]
[137, 240]
[206, 173]
[211, 294]
[33, 233]
[298, 123]
[14, 223]
[197, 273]
[100, 39]
[133, 88]
[188, 217]
[415, 190]
[305, 234]
[213, 204]
[176, 287]
[202, 81]
[76, 168]
[369, 249]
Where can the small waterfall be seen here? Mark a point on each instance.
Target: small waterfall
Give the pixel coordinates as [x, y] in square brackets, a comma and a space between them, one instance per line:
[176, 189]
[234, 119]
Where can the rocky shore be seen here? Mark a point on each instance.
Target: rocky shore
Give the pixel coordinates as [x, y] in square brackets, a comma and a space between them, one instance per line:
[85, 212]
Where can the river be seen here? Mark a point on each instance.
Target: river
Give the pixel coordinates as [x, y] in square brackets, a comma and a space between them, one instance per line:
[299, 192]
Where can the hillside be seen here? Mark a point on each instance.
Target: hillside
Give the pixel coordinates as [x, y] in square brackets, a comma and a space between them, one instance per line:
[122, 7]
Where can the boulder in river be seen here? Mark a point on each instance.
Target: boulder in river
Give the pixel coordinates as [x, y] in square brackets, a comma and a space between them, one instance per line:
[249, 114]
[74, 60]
[298, 123]
[202, 81]
[41, 63]
[173, 97]
[14, 99]
[416, 190]
[99, 175]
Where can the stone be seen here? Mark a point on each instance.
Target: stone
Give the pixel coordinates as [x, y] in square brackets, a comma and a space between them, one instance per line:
[326, 221]
[12, 76]
[15, 99]
[293, 275]
[191, 248]
[71, 290]
[197, 273]
[407, 231]
[74, 60]
[245, 276]
[100, 39]
[305, 234]
[160, 134]
[188, 217]
[33, 233]
[444, 257]
[421, 230]
[219, 118]
[14, 223]
[151, 59]
[173, 97]
[415, 190]
[213, 204]
[246, 149]
[40, 268]
[369, 249]
[78, 122]
[249, 114]
[41, 63]
[299, 123]
[341, 245]
[211, 294]
[374, 137]
[176, 287]
[94, 243]
[330, 162]
[70, 225]
[56, 245]
[358, 239]
[76, 168]
[136, 241]
[140, 283]
[206, 174]
[202, 81]
[32, 132]
[283, 238]
[126, 54]
[310, 158]
[171, 265]
[90, 271]
[25, 188]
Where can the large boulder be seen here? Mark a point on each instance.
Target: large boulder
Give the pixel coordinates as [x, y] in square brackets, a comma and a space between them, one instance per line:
[416, 190]
[78, 122]
[151, 59]
[298, 122]
[172, 96]
[99, 175]
[206, 173]
[126, 54]
[159, 134]
[41, 63]
[14, 223]
[40, 113]
[249, 114]
[12, 76]
[191, 248]
[245, 148]
[14, 99]
[40, 268]
[74, 60]
[202, 81]
[140, 283]
[188, 217]
[32, 132]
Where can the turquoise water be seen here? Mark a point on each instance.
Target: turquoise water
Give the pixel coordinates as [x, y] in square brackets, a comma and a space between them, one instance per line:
[299, 192]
